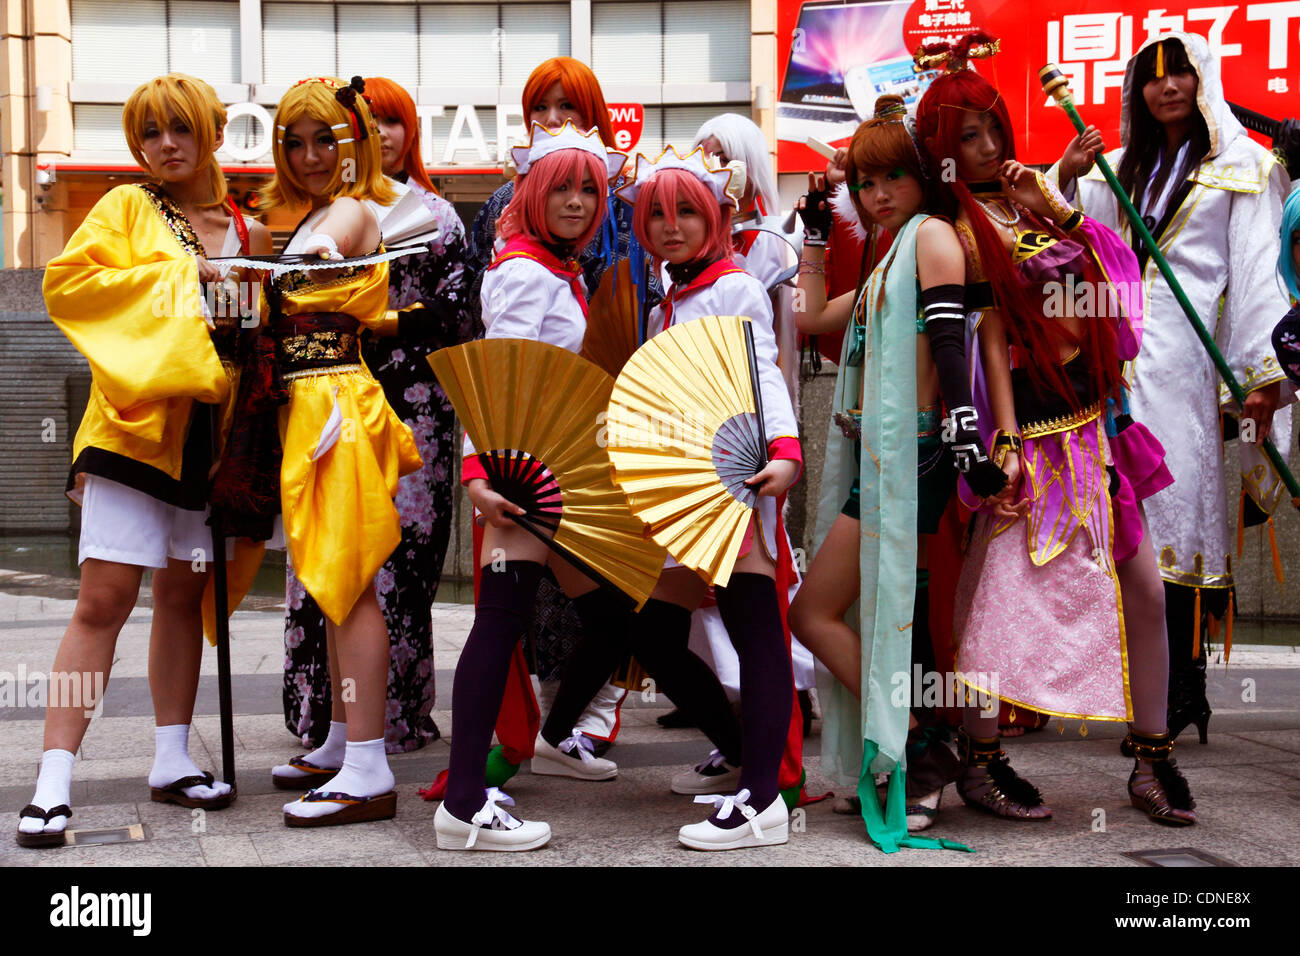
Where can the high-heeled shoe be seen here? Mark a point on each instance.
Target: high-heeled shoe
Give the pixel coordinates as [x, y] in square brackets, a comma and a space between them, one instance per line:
[1177, 724]
[1187, 700]
[1161, 792]
[1197, 713]
[988, 783]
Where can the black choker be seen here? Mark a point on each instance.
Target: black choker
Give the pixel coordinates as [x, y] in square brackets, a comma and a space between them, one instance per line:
[684, 273]
[984, 188]
[561, 250]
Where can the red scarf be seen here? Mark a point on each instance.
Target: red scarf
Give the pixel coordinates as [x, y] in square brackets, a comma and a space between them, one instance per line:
[520, 245]
[744, 241]
[706, 278]
[241, 227]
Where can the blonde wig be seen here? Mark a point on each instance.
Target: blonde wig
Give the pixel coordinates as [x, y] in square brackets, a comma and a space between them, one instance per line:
[359, 171]
[194, 103]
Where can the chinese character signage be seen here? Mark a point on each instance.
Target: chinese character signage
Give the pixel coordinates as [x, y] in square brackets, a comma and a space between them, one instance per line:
[835, 58]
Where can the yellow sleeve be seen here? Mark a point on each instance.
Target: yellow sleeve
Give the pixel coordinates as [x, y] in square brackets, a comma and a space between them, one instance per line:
[363, 294]
[127, 296]
[369, 300]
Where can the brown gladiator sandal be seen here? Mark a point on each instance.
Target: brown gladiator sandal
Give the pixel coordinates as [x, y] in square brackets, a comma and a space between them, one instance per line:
[1161, 791]
[988, 783]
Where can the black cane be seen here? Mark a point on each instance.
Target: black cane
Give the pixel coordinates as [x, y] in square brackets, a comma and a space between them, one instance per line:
[223, 624]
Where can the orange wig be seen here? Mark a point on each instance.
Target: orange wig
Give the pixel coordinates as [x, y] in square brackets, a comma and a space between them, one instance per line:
[391, 101]
[579, 84]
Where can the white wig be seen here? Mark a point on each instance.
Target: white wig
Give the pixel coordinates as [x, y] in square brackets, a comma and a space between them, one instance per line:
[741, 139]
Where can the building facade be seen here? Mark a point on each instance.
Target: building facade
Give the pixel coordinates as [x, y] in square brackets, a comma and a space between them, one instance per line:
[68, 66]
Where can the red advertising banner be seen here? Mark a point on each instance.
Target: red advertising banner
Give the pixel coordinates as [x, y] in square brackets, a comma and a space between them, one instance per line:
[835, 58]
[627, 121]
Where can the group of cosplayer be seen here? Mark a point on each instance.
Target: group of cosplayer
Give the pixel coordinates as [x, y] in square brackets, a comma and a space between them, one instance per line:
[953, 379]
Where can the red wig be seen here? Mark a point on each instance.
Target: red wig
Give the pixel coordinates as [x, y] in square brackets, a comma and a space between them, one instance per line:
[579, 84]
[391, 101]
[526, 211]
[672, 187]
[1037, 341]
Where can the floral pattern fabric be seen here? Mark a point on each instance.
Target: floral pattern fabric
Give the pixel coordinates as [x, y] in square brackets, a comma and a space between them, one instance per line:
[433, 287]
[1286, 343]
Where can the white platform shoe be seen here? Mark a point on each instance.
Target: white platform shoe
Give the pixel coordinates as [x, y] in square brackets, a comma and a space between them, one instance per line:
[713, 775]
[768, 828]
[492, 828]
[573, 758]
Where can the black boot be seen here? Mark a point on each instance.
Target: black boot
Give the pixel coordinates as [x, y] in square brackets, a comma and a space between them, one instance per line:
[1187, 700]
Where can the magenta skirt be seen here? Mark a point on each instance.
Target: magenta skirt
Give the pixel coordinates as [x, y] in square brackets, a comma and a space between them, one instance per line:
[1140, 462]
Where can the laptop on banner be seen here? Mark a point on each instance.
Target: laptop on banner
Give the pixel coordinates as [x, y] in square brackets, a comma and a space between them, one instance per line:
[843, 56]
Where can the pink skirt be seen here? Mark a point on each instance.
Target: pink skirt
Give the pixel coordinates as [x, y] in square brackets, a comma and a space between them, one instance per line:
[1049, 638]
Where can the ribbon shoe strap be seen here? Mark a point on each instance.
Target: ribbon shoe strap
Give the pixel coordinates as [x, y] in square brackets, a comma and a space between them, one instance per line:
[714, 759]
[578, 745]
[491, 814]
[724, 806]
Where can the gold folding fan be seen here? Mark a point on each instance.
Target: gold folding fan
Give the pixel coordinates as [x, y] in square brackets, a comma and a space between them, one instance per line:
[613, 318]
[685, 432]
[535, 412]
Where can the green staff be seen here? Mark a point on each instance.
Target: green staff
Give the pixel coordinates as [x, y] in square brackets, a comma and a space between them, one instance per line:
[1057, 86]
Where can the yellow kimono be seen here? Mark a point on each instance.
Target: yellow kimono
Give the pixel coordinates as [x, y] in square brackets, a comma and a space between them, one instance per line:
[125, 291]
[344, 447]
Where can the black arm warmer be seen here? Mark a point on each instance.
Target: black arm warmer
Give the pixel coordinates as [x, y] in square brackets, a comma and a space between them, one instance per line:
[945, 326]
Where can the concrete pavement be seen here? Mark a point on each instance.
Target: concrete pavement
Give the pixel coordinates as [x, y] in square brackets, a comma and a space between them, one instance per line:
[1246, 780]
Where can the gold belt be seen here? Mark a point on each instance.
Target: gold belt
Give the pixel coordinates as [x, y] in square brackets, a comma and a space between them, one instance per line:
[326, 370]
[1063, 423]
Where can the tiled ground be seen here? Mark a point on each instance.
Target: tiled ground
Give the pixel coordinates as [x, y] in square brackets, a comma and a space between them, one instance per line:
[1247, 779]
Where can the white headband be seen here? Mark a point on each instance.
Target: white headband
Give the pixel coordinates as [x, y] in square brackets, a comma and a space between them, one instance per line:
[542, 142]
[727, 183]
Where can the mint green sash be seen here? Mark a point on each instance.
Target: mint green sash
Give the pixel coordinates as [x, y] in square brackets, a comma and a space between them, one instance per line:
[864, 737]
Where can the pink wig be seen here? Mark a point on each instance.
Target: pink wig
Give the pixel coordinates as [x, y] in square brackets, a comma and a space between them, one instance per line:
[526, 211]
[670, 187]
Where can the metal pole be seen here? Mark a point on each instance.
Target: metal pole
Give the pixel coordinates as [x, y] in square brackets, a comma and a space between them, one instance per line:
[1057, 86]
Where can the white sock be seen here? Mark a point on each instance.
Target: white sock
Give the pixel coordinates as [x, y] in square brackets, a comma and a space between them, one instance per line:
[171, 762]
[53, 789]
[365, 773]
[329, 754]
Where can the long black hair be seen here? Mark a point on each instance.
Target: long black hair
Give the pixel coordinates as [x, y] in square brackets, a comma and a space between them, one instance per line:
[1147, 138]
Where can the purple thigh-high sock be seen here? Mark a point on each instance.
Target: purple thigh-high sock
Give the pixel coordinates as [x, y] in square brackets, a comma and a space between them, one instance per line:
[660, 636]
[606, 620]
[750, 611]
[502, 616]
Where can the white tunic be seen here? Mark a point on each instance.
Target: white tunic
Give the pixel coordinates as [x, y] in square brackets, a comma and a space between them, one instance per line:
[738, 293]
[1221, 243]
[522, 299]
[768, 257]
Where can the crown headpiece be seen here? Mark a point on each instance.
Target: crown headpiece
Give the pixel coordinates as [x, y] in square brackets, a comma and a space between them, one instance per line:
[542, 142]
[953, 57]
[727, 183]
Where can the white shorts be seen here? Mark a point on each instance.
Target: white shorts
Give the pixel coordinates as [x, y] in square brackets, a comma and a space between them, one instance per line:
[121, 524]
